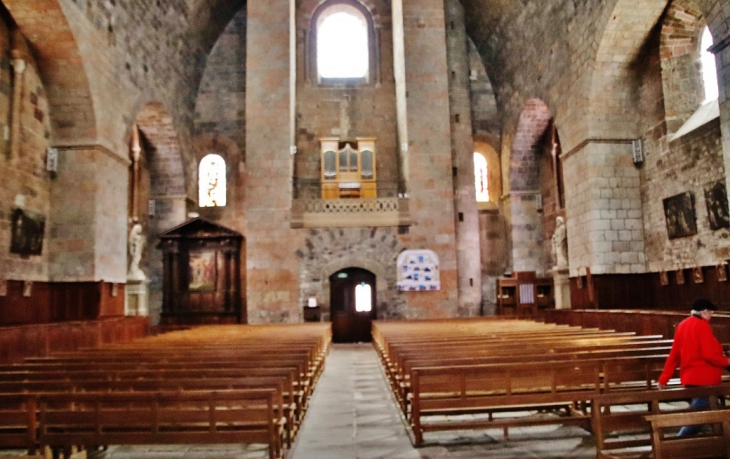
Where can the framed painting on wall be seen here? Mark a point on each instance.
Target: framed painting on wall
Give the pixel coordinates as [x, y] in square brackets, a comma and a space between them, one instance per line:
[27, 229]
[717, 208]
[680, 277]
[697, 275]
[679, 212]
[663, 278]
[721, 272]
[202, 272]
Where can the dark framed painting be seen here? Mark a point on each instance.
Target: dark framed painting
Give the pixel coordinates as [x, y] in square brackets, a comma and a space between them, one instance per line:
[717, 208]
[679, 212]
[27, 229]
[202, 272]
[698, 276]
[680, 277]
[721, 272]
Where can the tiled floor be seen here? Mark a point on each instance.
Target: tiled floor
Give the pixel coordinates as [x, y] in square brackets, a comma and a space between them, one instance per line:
[353, 416]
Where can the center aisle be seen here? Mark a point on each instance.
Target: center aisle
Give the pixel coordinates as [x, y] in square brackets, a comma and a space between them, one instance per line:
[352, 414]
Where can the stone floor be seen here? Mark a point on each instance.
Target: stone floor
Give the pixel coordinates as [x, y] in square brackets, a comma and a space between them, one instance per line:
[353, 416]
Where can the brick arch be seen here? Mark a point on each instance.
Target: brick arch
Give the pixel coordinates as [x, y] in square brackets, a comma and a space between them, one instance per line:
[679, 50]
[524, 164]
[167, 171]
[73, 118]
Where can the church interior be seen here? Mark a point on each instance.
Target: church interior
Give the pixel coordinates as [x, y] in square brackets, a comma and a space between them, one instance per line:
[322, 173]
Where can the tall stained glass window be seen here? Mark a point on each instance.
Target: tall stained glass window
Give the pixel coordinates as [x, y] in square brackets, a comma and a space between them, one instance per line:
[212, 181]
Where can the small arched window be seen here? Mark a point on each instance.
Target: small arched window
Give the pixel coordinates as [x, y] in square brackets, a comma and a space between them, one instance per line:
[342, 37]
[212, 181]
[709, 69]
[481, 177]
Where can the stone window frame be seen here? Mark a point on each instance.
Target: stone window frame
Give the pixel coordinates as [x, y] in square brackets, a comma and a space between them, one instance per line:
[373, 48]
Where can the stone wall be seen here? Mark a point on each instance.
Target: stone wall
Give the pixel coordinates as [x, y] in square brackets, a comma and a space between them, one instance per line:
[346, 111]
[327, 251]
[26, 184]
[221, 102]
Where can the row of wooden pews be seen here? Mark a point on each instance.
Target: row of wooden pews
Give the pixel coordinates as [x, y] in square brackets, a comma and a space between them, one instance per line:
[217, 384]
[485, 373]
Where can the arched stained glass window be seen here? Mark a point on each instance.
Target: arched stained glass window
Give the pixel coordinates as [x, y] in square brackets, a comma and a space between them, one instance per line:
[342, 43]
[481, 178]
[212, 181]
[363, 298]
[709, 69]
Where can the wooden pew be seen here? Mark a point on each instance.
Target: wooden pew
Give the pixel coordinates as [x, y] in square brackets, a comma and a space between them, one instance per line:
[144, 418]
[18, 422]
[703, 446]
[619, 420]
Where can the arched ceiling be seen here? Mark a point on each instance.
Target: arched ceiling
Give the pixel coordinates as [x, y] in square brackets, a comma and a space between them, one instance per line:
[210, 19]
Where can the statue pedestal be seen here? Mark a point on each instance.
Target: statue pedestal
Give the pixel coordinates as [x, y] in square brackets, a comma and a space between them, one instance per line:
[136, 298]
[561, 281]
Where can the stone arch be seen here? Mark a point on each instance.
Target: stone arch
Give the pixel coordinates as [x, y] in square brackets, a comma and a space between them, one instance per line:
[523, 164]
[167, 171]
[612, 101]
[328, 250]
[679, 51]
[163, 179]
[73, 118]
[523, 188]
[352, 261]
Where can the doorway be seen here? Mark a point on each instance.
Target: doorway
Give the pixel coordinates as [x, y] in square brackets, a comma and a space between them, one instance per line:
[352, 305]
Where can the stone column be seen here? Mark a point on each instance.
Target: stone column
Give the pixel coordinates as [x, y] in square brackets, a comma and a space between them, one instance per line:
[430, 182]
[603, 209]
[462, 145]
[272, 266]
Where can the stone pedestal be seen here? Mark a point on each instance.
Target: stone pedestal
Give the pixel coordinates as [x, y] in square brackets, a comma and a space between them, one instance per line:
[136, 298]
[561, 282]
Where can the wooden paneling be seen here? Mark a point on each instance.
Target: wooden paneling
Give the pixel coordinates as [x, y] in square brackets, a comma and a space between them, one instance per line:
[19, 342]
[644, 291]
[60, 301]
[640, 322]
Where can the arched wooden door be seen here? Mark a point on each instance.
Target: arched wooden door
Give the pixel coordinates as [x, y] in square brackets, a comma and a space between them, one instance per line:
[352, 305]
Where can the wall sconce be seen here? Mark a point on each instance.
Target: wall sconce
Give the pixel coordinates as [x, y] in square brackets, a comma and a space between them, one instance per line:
[312, 302]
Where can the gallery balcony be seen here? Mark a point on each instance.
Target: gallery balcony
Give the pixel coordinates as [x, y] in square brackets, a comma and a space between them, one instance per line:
[311, 210]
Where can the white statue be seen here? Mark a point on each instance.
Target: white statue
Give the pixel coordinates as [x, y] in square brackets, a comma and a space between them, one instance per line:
[136, 244]
[560, 244]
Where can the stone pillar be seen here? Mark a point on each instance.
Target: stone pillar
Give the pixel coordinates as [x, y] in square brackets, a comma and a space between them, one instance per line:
[462, 145]
[561, 286]
[136, 298]
[88, 223]
[603, 209]
[430, 182]
[272, 267]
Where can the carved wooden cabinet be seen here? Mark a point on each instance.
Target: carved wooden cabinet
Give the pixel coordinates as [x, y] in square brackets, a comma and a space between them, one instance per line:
[202, 274]
[524, 294]
[348, 168]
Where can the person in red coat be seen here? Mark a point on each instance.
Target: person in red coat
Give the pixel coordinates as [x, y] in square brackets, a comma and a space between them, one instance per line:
[698, 353]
